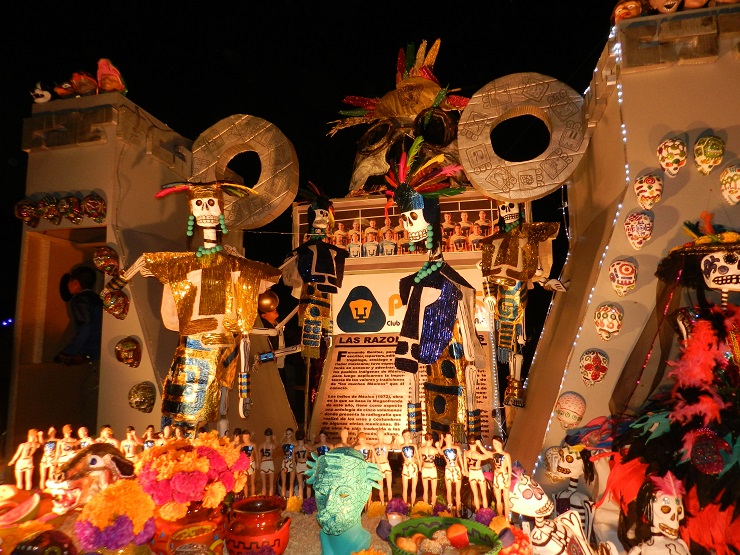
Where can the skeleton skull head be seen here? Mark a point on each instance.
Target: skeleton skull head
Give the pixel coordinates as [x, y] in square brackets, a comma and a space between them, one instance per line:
[593, 364]
[672, 155]
[527, 496]
[552, 461]
[509, 211]
[608, 320]
[623, 276]
[721, 270]
[570, 409]
[414, 222]
[649, 190]
[639, 229]
[708, 154]
[320, 218]
[570, 463]
[729, 181]
[206, 211]
[667, 514]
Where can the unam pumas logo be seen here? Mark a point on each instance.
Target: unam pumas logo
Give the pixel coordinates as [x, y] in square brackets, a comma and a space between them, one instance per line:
[361, 312]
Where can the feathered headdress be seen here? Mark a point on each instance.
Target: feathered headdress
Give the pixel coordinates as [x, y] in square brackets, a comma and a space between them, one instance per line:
[319, 201]
[210, 189]
[412, 180]
[416, 90]
[668, 484]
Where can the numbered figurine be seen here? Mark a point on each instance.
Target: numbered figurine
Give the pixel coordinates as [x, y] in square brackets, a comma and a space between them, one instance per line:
[246, 446]
[322, 446]
[428, 453]
[410, 468]
[267, 464]
[382, 448]
[300, 456]
[474, 456]
[501, 469]
[453, 473]
[23, 461]
[287, 470]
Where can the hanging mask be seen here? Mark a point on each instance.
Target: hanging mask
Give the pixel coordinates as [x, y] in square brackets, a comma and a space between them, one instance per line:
[70, 207]
[649, 190]
[570, 409]
[623, 275]
[128, 351]
[594, 364]
[639, 229]
[27, 211]
[708, 154]
[142, 396]
[116, 303]
[94, 207]
[608, 320]
[106, 260]
[48, 208]
[672, 154]
[729, 181]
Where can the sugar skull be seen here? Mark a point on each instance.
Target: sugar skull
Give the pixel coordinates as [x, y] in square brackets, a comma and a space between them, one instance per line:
[48, 208]
[128, 351]
[649, 190]
[708, 153]
[552, 458]
[729, 181]
[664, 507]
[116, 303]
[26, 210]
[94, 207]
[672, 154]
[106, 260]
[623, 276]
[569, 409]
[593, 364]
[570, 463]
[608, 320]
[527, 496]
[721, 270]
[639, 229]
[70, 207]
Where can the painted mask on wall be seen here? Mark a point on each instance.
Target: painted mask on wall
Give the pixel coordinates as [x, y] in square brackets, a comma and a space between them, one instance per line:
[672, 154]
[639, 229]
[570, 409]
[593, 364]
[649, 190]
[729, 181]
[608, 320]
[708, 154]
[623, 276]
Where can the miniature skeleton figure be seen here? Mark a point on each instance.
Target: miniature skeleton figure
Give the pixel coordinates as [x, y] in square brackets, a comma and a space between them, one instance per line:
[23, 461]
[453, 472]
[513, 260]
[574, 462]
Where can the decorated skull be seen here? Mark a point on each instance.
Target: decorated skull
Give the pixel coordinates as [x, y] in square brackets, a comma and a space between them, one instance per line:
[608, 320]
[128, 351]
[672, 154]
[142, 396]
[106, 260]
[509, 211]
[569, 409]
[94, 207]
[594, 365]
[623, 276]
[527, 496]
[729, 181]
[570, 463]
[706, 451]
[26, 210]
[414, 222]
[552, 460]
[48, 208]
[70, 207]
[639, 229]
[206, 210]
[721, 270]
[649, 190]
[708, 153]
[666, 505]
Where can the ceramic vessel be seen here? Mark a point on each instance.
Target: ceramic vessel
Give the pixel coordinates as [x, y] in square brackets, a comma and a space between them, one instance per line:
[256, 522]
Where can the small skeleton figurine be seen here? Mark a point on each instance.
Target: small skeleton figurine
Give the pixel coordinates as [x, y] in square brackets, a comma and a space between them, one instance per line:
[574, 462]
[513, 259]
[438, 328]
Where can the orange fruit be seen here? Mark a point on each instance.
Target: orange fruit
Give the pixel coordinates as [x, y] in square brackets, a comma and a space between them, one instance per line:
[458, 535]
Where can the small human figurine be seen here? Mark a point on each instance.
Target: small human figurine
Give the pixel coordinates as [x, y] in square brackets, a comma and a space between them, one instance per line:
[300, 456]
[343, 438]
[364, 447]
[48, 459]
[342, 480]
[287, 470]
[131, 446]
[501, 467]
[453, 472]
[23, 460]
[178, 433]
[266, 463]
[246, 446]
[236, 437]
[474, 456]
[149, 439]
[66, 447]
[382, 448]
[106, 436]
[165, 437]
[410, 469]
[371, 247]
[84, 439]
[428, 453]
[323, 446]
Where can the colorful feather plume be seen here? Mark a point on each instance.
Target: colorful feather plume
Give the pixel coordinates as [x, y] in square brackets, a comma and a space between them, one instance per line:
[668, 484]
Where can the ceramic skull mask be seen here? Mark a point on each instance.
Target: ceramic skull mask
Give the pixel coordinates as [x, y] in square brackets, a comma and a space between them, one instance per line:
[415, 223]
[721, 270]
[729, 181]
[623, 276]
[649, 190]
[206, 210]
[667, 513]
[608, 320]
[672, 156]
[708, 154]
[527, 496]
[510, 212]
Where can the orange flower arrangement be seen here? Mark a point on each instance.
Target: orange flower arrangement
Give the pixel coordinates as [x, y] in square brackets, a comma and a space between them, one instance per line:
[181, 472]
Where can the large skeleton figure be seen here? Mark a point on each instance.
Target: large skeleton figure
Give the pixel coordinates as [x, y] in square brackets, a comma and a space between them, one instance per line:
[513, 260]
[438, 328]
[210, 298]
[557, 536]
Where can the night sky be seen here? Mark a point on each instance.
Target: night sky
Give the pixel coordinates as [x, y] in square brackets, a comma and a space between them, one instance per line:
[290, 63]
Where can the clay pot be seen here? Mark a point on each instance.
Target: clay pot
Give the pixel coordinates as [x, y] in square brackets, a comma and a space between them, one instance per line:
[255, 522]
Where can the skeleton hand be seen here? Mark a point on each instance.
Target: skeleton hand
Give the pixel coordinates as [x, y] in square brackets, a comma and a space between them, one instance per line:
[555, 285]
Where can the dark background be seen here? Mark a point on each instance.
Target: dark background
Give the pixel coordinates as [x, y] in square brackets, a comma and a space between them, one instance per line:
[289, 62]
